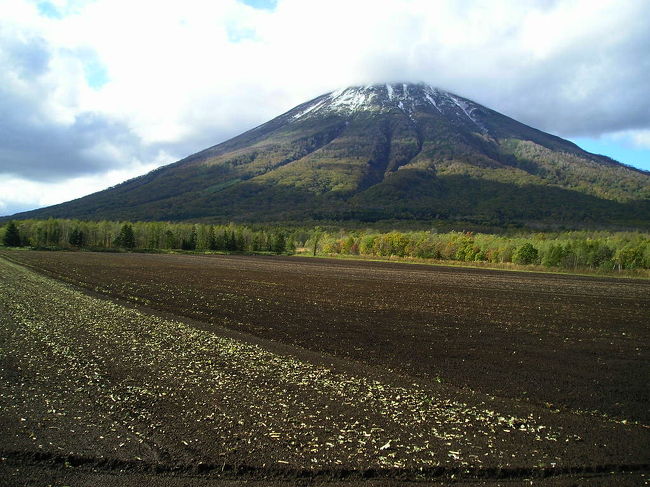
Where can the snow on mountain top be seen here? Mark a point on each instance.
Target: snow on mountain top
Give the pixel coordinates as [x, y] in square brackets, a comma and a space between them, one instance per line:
[352, 98]
[409, 98]
[389, 89]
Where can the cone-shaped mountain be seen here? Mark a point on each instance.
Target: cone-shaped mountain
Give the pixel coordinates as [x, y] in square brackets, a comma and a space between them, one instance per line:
[380, 152]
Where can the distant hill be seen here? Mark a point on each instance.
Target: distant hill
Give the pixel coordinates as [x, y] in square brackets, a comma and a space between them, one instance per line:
[383, 152]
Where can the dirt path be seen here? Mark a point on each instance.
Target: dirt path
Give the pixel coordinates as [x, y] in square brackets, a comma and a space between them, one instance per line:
[93, 384]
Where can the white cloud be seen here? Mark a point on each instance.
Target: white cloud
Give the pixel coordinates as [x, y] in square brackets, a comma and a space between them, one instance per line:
[19, 194]
[178, 77]
[634, 138]
[641, 138]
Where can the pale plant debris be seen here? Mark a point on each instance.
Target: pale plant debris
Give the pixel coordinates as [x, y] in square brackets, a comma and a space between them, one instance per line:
[137, 385]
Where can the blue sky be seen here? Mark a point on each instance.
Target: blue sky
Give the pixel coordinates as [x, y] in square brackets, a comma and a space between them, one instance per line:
[48, 9]
[261, 4]
[624, 152]
[94, 92]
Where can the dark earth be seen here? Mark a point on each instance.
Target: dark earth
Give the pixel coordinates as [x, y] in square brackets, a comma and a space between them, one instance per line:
[143, 369]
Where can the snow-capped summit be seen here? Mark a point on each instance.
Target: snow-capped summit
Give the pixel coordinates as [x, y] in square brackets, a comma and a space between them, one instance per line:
[408, 98]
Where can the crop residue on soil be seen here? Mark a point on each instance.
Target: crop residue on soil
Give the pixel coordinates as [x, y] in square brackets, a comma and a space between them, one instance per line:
[83, 376]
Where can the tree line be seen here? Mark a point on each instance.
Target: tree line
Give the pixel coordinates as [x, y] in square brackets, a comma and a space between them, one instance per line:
[565, 250]
[112, 235]
[570, 250]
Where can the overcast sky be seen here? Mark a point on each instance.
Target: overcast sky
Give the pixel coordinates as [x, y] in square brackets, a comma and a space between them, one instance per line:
[93, 92]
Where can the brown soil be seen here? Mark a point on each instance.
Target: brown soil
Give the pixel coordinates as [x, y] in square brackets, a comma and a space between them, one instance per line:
[287, 369]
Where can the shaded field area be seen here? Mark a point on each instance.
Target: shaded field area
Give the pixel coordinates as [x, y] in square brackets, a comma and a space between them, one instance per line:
[286, 369]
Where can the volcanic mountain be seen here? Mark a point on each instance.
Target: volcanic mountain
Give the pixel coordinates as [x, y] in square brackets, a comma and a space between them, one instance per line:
[383, 152]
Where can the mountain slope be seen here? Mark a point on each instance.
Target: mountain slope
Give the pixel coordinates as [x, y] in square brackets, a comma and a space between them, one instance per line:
[395, 151]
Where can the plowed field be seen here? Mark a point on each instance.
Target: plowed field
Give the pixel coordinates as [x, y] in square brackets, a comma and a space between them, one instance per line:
[123, 369]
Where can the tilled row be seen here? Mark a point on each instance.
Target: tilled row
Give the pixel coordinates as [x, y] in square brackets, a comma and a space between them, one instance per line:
[88, 377]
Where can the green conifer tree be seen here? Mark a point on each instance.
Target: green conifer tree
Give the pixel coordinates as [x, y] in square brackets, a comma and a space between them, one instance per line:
[126, 237]
[12, 235]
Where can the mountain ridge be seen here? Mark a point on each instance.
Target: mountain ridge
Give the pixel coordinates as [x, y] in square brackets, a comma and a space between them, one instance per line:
[387, 151]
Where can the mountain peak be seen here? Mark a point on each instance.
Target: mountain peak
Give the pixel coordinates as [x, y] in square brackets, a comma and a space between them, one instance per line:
[408, 98]
[391, 151]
